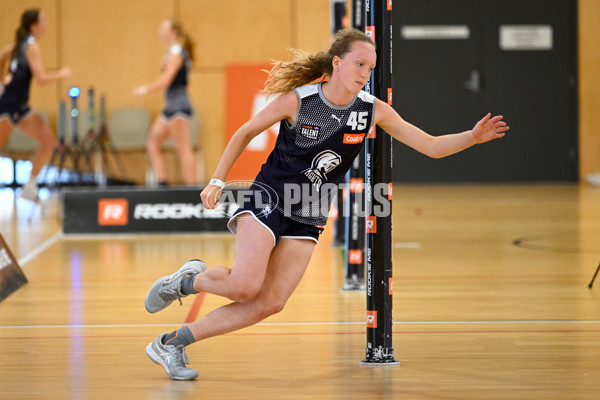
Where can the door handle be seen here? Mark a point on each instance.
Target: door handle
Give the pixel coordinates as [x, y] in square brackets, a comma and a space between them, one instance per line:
[474, 82]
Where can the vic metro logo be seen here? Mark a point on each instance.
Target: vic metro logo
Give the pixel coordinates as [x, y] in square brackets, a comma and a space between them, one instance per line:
[113, 212]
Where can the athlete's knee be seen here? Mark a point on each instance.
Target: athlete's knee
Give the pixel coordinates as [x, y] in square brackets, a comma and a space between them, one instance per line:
[245, 292]
[186, 153]
[152, 146]
[48, 141]
[274, 306]
[52, 141]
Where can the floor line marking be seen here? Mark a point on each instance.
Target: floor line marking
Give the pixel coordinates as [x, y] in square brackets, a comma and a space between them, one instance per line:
[40, 249]
[195, 309]
[521, 322]
[141, 236]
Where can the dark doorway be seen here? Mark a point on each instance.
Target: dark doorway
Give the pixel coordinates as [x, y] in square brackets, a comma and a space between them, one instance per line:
[456, 60]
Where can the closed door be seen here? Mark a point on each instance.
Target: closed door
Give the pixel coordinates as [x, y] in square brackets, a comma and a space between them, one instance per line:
[456, 60]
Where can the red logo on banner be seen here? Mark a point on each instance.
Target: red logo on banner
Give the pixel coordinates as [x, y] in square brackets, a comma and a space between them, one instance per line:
[390, 286]
[371, 319]
[113, 212]
[389, 5]
[371, 134]
[372, 224]
[390, 96]
[370, 31]
[353, 138]
[355, 256]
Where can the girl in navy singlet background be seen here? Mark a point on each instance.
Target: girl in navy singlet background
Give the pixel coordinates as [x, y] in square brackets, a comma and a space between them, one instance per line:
[25, 64]
[322, 128]
[175, 118]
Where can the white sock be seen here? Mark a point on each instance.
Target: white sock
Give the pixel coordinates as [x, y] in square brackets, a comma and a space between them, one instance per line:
[32, 182]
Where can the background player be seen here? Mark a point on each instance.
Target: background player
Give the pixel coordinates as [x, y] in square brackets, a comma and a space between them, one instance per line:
[274, 243]
[175, 118]
[25, 64]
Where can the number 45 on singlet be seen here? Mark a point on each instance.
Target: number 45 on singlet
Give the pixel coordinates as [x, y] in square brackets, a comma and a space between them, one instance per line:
[357, 120]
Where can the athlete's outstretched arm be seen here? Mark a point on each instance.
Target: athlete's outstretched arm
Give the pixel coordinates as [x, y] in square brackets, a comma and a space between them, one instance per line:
[41, 76]
[174, 62]
[283, 107]
[488, 128]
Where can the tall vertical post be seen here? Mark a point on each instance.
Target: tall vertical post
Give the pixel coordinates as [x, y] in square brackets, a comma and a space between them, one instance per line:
[74, 93]
[378, 185]
[354, 203]
[338, 15]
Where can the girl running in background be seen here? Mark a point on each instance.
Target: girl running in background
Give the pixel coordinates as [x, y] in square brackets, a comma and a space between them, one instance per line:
[26, 64]
[175, 118]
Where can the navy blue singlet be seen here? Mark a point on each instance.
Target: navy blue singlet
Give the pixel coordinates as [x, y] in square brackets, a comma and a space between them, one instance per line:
[14, 101]
[314, 154]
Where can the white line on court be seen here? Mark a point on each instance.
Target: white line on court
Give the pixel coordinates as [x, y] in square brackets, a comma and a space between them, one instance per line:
[314, 323]
[38, 250]
[140, 236]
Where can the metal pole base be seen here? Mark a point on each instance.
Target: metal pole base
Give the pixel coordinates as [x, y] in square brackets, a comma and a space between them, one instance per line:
[380, 363]
[379, 356]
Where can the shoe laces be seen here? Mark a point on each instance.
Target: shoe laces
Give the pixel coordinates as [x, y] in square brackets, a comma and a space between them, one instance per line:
[171, 292]
[181, 359]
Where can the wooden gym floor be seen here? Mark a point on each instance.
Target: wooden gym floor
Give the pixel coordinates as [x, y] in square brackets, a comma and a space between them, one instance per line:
[476, 316]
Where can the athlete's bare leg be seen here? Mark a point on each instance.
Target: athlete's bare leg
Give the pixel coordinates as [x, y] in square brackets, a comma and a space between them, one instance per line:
[35, 127]
[179, 129]
[261, 281]
[5, 130]
[158, 134]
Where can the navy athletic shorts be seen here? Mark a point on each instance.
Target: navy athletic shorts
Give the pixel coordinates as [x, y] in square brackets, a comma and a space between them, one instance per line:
[15, 113]
[278, 224]
[171, 114]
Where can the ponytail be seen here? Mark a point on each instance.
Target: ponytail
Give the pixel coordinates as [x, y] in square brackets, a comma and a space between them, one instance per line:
[28, 18]
[188, 43]
[306, 68]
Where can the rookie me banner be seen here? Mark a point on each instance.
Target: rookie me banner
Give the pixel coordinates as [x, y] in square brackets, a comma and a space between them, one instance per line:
[145, 210]
[11, 275]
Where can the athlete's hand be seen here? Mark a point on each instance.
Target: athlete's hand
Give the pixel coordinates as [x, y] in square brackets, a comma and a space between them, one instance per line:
[139, 91]
[210, 196]
[489, 128]
[65, 72]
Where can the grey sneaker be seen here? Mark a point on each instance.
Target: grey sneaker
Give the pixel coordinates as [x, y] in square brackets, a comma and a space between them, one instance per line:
[168, 288]
[173, 359]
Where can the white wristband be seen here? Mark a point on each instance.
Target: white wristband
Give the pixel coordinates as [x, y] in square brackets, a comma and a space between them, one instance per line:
[217, 182]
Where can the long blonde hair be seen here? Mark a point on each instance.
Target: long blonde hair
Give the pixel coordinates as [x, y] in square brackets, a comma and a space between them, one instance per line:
[306, 68]
[188, 43]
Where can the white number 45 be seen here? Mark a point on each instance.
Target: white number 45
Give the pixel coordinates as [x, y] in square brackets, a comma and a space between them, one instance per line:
[357, 120]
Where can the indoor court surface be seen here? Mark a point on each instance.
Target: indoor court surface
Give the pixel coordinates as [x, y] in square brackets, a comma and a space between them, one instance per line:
[475, 316]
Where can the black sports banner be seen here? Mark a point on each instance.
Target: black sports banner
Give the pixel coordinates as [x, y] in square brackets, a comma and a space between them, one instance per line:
[11, 275]
[146, 210]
